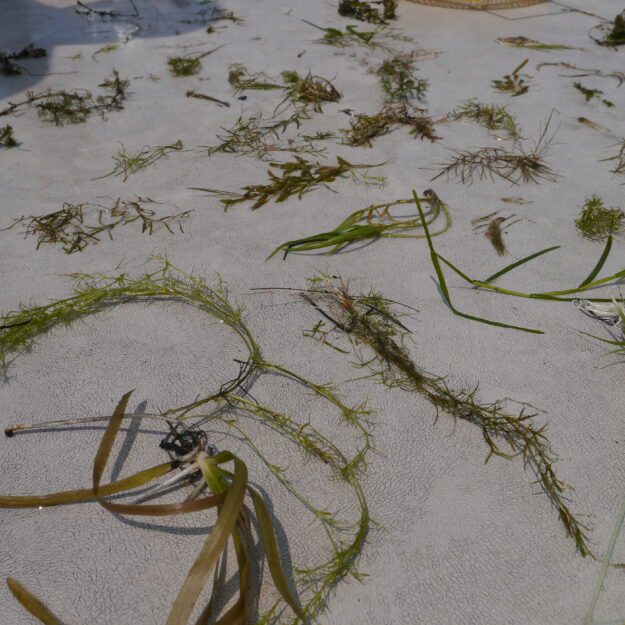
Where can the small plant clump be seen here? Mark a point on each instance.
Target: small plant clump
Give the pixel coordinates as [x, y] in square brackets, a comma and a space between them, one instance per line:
[381, 38]
[128, 163]
[182, 66]
[8, 67]
[596, 222]
[7, 137]
[492, 226]
[378, 340]
[78, 226]
[613, 32]
[254, 136]
[491, 116]
[229, 407]
[517, 165]
[591, 94]
[364, 128]
[533, 44]
[374, 12]
[74, 107]
[376, 221]
[296, 178]
[241, 80]
[513, 83]
[398, 80]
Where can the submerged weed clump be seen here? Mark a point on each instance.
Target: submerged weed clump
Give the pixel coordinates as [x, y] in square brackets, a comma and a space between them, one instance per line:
[491, 116]
[8, 66]
[128, 163]
[365, 128]
[378, 340]
[375, 221]
[613, 33]
[513, 83]
[596, 222]
[374, 11]
[231, 406]
[533, 44]
[516, 165]
[255, 136]
[398, 80]
[7, 137]
[78, 226]
[493, 226]
[296, 178]
[591, 94]
[381, 38]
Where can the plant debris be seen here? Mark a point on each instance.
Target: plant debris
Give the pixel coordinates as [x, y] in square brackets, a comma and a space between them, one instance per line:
[187, 65]
[364, 128]
[398, 80]
[8, 67]
[368, 322]
[231, 406]
[516, 165]
[613, 33]
[619, 76]
[86, 11]
[493, 229]
[128, 163]
[7, 137]
[491, 116]
[513, 83]
[77, 226]
[298, 177]
[381, 38]
[591, 94]
[374, 11]
[377, 221]
[202, 96]
[109, 47]
[596, 222]
[619, 157]
[524, 42]
[254, 136]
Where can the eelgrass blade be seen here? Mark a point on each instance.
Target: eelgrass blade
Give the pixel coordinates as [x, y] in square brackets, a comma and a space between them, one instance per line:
[31, 603]
[595, 272]
[272, 554]
[86, 494]
[214, 545]
[443, 284]
[518, 263]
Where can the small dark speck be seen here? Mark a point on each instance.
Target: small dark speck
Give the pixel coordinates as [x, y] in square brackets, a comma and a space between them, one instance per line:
[242, 97]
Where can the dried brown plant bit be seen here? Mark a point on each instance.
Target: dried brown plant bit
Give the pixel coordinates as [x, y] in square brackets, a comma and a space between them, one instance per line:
[493, 227]
[128, 163]
[591, 94]
[373, 11]
[7, 137]
[255, 136]
[613, 33]
[202, 96]
[296, 178]
[513, 83]
[364, 128]
[77, 226]
[398, 80]
[516, 165]
[596, 222]
[524, 42]
[491, 116]
[371, 327]
[581, 72]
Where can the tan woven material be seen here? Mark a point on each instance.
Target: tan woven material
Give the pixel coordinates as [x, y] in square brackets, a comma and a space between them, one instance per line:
[480, 4]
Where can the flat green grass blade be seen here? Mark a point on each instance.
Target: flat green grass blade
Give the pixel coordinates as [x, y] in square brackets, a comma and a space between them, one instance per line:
[31, 603]
[595, 272]
[518, 263]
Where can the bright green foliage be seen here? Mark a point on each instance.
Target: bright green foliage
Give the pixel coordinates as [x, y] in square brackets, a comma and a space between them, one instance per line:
[596, 222]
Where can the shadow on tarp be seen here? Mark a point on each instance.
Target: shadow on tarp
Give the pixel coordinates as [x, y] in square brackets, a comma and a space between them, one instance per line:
[51, 23]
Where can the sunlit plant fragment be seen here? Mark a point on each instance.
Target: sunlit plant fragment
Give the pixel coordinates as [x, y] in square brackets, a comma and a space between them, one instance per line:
[513, 83]
[128, 163]
[596, 222]
[398, 80]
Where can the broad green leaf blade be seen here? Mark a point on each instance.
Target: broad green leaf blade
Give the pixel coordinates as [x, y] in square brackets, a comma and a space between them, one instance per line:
[31, 603]
[86, 494]
[518, 263]
[165, 509]
[270, 546]
[606, 252]
[214, 545]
